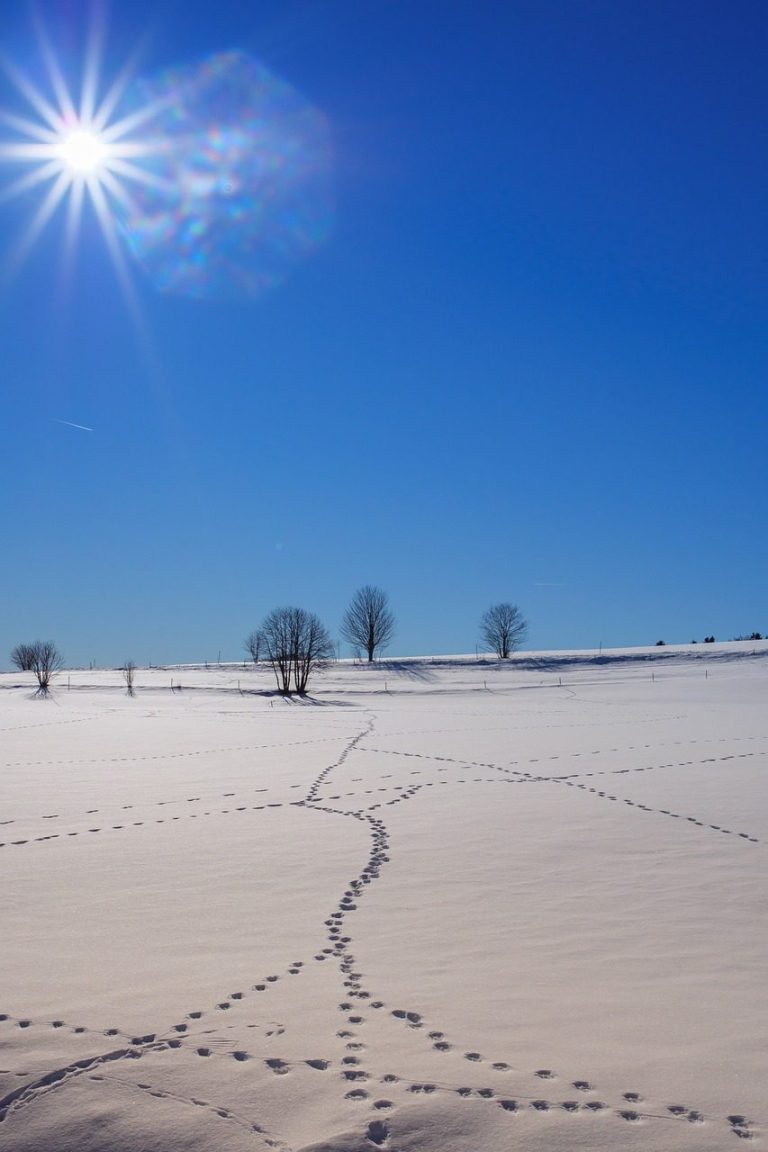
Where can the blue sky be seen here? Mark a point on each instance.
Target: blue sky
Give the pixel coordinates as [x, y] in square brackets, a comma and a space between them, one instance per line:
[528, 363]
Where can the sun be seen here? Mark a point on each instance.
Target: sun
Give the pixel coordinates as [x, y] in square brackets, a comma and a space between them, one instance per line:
[84, 150]
[75, 153]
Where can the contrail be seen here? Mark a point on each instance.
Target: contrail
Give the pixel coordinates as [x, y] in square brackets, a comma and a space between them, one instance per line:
[82, 427]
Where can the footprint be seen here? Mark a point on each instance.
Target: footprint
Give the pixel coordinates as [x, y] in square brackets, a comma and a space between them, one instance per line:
[279, 1067]
[356, 1094]
[377, 1131]
[473, 1056]
[629, 1114]
[320, 1065]
[382, 1104]
[540, 1105]
[500, 1066]
[203, 1051]
[239, 1055]
[582, 1085]
[413, 1018]
[545, 1074]
[508, 1105]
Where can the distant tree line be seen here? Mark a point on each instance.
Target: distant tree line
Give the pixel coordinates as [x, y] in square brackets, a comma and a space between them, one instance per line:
[294, 642]
[711, 639]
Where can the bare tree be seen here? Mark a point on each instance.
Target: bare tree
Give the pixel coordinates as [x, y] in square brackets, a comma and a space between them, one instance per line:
[503, 629]
[313, 646]
[253, 645]
[43, 658]
[129, 672]
[368, 623]
[23, 657]
[277, 643]
[294, 642]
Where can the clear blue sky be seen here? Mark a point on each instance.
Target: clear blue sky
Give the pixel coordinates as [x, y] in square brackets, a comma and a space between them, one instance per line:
[527, 364]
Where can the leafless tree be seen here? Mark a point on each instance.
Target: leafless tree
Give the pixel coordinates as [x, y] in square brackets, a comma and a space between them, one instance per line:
[503, 629]
[43, 658]
[368, 623]
[277, 644]
[313, 646]
[129, 672]
[294, 642]
[253, 645]
[23, 657]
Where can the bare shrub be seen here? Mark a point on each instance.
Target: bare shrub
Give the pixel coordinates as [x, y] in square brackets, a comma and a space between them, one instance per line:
[253, 645]
[295, 642]
[503, 628]
[41, 657]
[129, 674]
[368, 623]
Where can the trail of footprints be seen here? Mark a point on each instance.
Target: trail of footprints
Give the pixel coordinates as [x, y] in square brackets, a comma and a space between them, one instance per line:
[526, 777]
[144, 823]
[349, 1070]
[659, 811]
[509, 775]
[138, 759]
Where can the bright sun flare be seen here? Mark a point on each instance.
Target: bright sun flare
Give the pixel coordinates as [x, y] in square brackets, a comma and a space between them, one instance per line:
[74, 152]
[83, 150]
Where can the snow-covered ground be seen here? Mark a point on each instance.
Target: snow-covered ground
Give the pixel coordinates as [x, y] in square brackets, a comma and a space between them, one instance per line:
[443, 904]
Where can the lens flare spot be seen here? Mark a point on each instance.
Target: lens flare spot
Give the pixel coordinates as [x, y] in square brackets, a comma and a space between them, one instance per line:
[241, 191]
